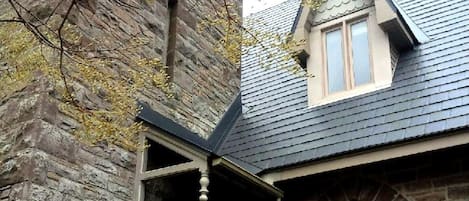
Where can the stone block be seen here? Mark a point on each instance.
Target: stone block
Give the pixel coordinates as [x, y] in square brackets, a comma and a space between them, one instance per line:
[56, 142]
[40, 193]
[71, 188]
[451, 180]
[189, 19]
[20, 191]
[25, 165]
[93, 176]
[459, 193]
[123, 158]
[18, 110]
[386, 193]
[416, 187]
[106, 166]
[11, 136]
[58, 168]
[5, 192]
[432, 196]
[118, 190]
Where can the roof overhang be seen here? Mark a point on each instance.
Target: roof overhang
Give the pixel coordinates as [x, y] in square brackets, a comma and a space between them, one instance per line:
[402, 31]
[300, 32]
[224, 165]
[391, 23]
[441, 141]
[176, 131]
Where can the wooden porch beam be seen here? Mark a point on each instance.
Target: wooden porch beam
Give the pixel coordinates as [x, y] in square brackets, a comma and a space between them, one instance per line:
[168, 171]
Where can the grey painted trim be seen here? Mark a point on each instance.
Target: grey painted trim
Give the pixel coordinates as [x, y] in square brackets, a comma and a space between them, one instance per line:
[225, 125]
[417, 34]
[247, 166]
[168, 171]
[232, 167]
[173, 129]
[297, 19]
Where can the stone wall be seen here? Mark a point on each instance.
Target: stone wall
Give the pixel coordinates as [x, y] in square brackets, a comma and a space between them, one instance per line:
[204, 82]
[437, 176]
[40, 158]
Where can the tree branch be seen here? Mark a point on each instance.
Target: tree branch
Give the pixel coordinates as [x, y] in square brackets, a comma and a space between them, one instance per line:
[61, 55]
[12, 20]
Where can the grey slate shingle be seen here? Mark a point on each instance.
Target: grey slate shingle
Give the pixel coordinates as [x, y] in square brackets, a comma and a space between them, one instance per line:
[429, 95]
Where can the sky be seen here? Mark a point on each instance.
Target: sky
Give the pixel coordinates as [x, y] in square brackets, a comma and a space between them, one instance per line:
[252, 6]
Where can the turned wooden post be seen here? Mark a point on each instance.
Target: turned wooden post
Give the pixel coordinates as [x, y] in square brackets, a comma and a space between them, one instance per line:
[204, 181]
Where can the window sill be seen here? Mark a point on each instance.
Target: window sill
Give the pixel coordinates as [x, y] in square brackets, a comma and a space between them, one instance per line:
[349, 94]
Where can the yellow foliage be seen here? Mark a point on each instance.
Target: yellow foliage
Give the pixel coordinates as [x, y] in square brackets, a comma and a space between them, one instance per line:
[112, 119]
[313, 4]
[21, 55]
[270, 47]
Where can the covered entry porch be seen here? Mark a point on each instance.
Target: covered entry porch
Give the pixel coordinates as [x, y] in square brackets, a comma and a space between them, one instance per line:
[172, 170]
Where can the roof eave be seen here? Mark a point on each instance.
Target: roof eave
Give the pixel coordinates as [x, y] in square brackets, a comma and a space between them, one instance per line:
[368, 155]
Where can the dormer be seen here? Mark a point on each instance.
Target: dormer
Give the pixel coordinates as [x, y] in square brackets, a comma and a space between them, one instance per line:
[352, 46]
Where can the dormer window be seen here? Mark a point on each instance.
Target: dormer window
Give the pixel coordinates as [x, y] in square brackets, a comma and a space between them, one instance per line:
[347, 56]
[354, 57]
[352, 47]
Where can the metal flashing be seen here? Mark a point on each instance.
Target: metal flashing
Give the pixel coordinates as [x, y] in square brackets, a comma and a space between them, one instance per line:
[174, 129]
[417, 33]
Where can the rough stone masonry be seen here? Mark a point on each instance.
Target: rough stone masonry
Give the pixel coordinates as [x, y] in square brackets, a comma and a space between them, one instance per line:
[40, 158]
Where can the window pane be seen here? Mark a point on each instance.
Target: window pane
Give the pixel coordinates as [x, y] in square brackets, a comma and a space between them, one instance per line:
[361, 53]
[335, 61]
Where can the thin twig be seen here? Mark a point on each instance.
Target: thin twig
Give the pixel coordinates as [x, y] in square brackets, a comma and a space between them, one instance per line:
[12, 20]
[53, 11]
[61, 55]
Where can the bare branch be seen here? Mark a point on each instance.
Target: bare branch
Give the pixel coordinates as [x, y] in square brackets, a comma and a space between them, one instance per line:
[61, 55]
[12, 20]
[53, 11]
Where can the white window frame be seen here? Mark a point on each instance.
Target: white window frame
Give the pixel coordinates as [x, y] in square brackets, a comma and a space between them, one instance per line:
[345, 27]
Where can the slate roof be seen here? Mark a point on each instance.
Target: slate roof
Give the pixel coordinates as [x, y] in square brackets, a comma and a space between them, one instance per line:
[429, 95]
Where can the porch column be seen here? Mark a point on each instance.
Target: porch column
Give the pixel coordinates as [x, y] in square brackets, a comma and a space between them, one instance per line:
[204, 181]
